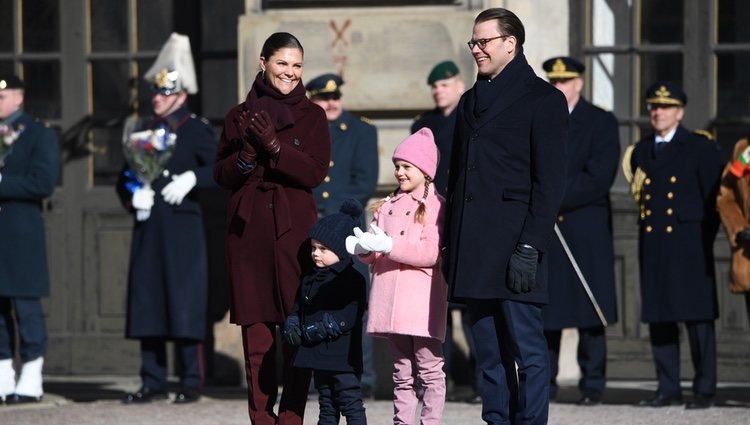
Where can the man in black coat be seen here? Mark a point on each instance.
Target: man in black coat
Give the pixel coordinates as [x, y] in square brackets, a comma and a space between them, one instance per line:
[677, 177]
[585, 223]
[168, 268]
[29, 168]
[506, 182]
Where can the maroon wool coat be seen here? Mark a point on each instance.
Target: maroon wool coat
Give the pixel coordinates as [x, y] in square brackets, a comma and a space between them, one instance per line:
[270, 213]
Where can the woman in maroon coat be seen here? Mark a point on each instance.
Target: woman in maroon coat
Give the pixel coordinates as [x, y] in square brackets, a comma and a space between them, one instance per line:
[274, 149]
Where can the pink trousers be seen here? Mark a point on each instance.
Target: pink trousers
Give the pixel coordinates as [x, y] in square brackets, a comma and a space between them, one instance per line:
[421, 357]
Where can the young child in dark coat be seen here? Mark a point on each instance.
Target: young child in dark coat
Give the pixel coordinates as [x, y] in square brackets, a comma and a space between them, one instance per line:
[326, 320]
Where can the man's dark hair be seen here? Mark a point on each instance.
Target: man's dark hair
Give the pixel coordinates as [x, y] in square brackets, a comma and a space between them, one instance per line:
[280, 40]
[507, 22]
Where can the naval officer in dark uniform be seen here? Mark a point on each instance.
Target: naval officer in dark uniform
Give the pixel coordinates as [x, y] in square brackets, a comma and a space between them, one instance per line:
[168, 264]
[585, 223]
[446, 87]
[676, 178]
[352, 173]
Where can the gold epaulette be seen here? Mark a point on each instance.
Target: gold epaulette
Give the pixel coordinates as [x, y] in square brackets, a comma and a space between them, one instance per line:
[705, 133]
[367, 120]
[635, 178]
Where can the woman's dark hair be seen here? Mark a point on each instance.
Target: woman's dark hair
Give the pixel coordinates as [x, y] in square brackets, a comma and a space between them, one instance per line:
[280, 40]
[507, 22]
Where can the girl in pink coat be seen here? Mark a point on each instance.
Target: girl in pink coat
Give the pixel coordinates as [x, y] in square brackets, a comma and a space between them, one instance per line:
[408, 299]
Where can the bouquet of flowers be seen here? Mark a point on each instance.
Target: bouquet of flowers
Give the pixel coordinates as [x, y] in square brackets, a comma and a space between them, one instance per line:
[147, 151]
[8, 135]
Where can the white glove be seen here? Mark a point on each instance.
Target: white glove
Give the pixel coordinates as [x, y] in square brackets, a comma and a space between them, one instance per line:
[142, 215]
[143, 198]
[377, 241]
[352, 243]
[179, 187]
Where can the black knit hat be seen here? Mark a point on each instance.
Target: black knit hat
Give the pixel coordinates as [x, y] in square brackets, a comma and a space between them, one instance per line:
[332, 230]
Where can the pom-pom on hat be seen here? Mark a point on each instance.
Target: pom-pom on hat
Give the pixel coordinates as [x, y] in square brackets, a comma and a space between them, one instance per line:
[420, 150]
[332, 230]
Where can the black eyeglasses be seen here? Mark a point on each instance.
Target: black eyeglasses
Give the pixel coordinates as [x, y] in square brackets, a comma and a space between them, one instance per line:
[482, 42]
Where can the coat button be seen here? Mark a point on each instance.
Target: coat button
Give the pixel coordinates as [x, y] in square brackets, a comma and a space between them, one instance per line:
[327, 179]
[469, 198]
[296, 142]
[670, 195]
[560, 218]
[325, 195]
[647, 181]
[647, 197]
[165, 173]
[670, 211]
[408, 212]
[649, 229]
[270, 206]
[401, 233]
[390, 212]
[330, 164]
[669, 229]
[648, 212]
[673, 179]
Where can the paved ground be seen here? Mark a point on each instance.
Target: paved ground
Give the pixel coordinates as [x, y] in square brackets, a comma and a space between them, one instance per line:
[95, 400]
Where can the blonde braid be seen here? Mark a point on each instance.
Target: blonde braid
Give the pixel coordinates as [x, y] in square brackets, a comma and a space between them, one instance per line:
[377, 204]
[419, 216]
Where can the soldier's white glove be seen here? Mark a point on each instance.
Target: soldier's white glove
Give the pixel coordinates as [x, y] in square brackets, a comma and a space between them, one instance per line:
[377, 241]
[352, 243]
[179, 187]
[143, 200]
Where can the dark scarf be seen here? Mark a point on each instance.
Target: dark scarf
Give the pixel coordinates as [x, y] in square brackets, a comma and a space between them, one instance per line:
[263, 97]
[487, 90]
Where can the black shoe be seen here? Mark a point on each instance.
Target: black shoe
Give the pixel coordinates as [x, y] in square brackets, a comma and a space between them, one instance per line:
[21, 399]
[144, 395]
[366, 392]
[474, 399]
[590, 400]
[660, 401]
[700, 402]
[187, 395]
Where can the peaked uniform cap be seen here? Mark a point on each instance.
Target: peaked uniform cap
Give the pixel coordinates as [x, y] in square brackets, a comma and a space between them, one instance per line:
[10, 82]
[173, 71]
[325, 84]
[563, 68]
[663, 93]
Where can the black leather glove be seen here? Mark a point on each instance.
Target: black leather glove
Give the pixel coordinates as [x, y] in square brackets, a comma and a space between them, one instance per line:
[743, 236]
[332, 326]
[521, 276]
[315, 332]
[292, 331]
[261, 125]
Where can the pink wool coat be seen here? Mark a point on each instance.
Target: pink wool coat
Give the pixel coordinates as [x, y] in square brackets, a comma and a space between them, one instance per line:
[408, 294]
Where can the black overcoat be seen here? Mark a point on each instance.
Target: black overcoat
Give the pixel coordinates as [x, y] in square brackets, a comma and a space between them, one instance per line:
[29, 175]
[678, 224]
[340, 291]
[585, 223]
[168, 272]
[507, 179]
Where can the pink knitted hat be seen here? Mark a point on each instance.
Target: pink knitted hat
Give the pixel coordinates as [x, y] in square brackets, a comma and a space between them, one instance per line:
[420, 150]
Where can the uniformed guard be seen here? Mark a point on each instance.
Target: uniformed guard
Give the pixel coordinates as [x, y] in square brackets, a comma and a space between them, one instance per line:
[584, 221]
[678, 222]
[446, 86]
[29, 168]
[168, 270]
[352, 173]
